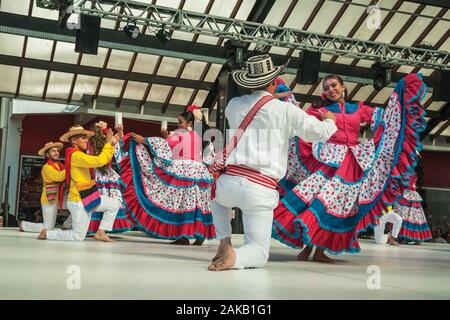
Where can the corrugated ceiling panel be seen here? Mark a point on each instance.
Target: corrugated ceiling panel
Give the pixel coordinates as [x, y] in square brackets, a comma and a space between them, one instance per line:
[120, 60]
[277, 12]
[59, 85]
[12, 74]
[328, 10]
[145, 63]
[364, 32]
[363, 93]
[11, 44]
[300, 14]
[44, 13]
[348, 20]
[33, 81]
[195, 6]
[200, 97]
[84, 85]
[437, 127]
[65, 52]
[15, 6]
[213, 72]
[438, 31]
[436, 106]
[382, 95]
[167, 3]
[181, 96]
[110, 87]
[245, 9]
[301, 88]
[158, 93]
[169, 67]
[94, 60]
[39, 48]
[193, 70]
[135, 90]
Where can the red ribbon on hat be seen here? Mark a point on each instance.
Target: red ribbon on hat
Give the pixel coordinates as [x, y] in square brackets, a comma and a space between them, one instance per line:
[105, 131]
[192, 108]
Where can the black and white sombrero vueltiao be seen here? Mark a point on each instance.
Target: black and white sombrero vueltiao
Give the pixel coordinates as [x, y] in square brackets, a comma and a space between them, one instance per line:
[259, 72]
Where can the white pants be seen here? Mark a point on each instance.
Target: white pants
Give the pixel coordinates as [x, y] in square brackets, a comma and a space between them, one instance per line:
[257, 204]
[81, 219]
[49, 213]
[393, 218]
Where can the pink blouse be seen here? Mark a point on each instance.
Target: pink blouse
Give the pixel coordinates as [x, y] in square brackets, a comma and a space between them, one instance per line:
[348, 120]
[186, 145]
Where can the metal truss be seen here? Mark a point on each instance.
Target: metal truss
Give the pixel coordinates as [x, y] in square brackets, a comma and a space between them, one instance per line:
[251, 32]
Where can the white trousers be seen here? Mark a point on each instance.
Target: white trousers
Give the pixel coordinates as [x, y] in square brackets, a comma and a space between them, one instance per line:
[49, 213]
[396, 221]
[81, 219]
[257, 204]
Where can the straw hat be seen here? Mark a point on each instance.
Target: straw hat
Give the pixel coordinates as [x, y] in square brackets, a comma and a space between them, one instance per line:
[259, 72]
[48, 146]
[73, 131]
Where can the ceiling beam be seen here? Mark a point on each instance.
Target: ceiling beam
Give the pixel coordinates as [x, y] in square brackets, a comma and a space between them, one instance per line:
[48, 29]
[106, 73]
[436, 3]
[433, 123]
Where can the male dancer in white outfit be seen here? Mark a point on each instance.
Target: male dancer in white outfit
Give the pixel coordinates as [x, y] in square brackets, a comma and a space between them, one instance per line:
[53, 175]
[396, 220]
[257, 163]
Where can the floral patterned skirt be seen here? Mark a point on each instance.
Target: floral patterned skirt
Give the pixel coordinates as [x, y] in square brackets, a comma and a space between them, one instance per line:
[109, 184]
[165, 198]
[332, 192]
[414, 226]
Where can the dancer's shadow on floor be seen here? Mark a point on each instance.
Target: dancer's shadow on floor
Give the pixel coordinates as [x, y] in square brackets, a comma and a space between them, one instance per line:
[283, 257]
[179, 257]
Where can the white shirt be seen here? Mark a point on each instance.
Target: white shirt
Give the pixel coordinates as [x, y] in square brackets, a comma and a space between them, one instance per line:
[264, 144]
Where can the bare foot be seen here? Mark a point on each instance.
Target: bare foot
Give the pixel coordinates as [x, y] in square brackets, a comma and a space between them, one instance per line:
[391, 241]
[226, 261]
[222, 244]
[319, 256]
[198, 242]
[181, 242]
[101, 236]
[304, 254]
[43, 235]
[20, 227]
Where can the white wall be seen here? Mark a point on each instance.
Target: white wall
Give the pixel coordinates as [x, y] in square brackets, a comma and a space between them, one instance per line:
[10, 153]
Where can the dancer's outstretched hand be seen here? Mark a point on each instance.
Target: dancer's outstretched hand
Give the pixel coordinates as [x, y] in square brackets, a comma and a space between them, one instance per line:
[165, 133]
[328, 115]
[137, 138]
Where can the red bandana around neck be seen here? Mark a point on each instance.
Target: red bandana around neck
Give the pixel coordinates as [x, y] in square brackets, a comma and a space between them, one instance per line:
[58, 166]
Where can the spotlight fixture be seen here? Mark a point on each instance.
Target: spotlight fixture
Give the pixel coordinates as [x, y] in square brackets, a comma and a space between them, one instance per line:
[163, 35]
[383, 75]
[132, 31]
[235, 54]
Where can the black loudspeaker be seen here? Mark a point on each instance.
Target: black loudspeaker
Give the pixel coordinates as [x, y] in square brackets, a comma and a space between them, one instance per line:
[88, 34]
[441, 90]
[308, 69]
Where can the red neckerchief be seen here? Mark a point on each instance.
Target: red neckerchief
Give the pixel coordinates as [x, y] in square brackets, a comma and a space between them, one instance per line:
[58, 166]
[69, 152]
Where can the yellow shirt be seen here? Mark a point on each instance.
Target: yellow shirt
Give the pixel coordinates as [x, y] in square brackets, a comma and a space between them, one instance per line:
[50, 176]
[80, 165]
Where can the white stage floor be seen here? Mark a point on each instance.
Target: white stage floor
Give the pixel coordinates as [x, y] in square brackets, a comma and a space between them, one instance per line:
[137, 267]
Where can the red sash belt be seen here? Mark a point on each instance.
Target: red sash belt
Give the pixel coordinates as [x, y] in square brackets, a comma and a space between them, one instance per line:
[249, 174]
